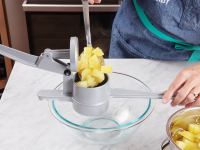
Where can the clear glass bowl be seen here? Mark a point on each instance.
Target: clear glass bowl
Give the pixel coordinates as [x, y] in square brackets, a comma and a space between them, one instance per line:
[122, 119]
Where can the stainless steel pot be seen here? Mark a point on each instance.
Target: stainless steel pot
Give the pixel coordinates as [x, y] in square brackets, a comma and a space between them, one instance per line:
[183, 113]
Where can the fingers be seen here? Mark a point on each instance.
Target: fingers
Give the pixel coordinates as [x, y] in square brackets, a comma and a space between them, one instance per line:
[94, 1]
[195, 103]
[91, 1]
[97, 1]
[190, 97]
[174, 87]
[183, 93]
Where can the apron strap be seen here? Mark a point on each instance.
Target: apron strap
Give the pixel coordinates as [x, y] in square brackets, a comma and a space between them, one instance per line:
[178, 44]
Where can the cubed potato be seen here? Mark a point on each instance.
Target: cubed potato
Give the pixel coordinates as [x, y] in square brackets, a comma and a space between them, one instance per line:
[82, 84]
[88, 50]
[197, 136]
[174, 132]
[188, 135]
[85, 57]
[185, 121]
[181, 145]
[189, 145]
[99, 80]
[94, 62]
[197, 140]
[89, 66]
[89, 76]
[106, 69]
[176, 129]
[90, 81]
[197, 130]
[98, 68]
[97, 51]
[94, 84]
[79, 65]
[191, 127]
[84, 64]
[97, 73]
[85, 73]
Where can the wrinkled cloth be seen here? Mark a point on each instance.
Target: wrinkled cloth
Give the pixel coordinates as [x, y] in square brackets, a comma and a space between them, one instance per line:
[179, 19]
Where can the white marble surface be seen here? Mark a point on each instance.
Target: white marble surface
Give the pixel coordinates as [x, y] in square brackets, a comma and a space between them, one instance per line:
[27, 124]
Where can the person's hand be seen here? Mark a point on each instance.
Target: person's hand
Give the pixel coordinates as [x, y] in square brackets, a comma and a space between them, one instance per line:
[188, 82]
[94, 1]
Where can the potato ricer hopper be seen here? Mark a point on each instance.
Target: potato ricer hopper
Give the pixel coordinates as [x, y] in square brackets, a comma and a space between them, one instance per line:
[86, 101]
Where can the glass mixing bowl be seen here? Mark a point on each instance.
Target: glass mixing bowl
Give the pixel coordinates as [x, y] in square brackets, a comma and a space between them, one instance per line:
[122, 119]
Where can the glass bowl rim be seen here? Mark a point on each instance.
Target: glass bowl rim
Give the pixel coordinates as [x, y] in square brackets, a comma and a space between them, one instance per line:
[137, 121]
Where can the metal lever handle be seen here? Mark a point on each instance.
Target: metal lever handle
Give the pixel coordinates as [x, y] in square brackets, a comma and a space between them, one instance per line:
[47, 60]
[59, 54]
[124, 93]
[87, 21]
[18, 56]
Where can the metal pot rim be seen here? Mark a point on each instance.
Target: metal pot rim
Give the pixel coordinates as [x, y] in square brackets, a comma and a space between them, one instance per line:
[172, 118]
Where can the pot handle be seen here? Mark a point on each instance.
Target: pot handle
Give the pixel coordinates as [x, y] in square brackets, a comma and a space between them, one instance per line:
[166, 141]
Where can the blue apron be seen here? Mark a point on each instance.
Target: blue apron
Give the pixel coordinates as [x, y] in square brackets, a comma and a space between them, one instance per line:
[132, 37]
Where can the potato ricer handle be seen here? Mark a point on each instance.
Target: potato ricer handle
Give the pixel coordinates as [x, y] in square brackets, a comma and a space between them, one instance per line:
[54, 95]
[19, 56]
[87, 21]
[125, 93]
[49, 60]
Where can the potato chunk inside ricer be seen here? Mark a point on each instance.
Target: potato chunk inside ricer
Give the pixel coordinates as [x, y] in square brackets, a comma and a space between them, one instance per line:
[91, 68]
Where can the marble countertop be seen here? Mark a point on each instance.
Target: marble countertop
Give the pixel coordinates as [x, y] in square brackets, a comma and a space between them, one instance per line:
[26, 123]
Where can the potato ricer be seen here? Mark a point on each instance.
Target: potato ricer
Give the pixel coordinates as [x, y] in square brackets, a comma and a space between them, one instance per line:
[86, 101]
